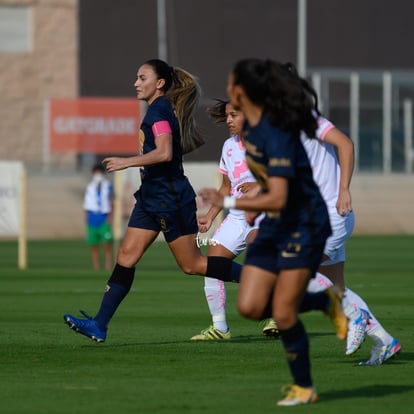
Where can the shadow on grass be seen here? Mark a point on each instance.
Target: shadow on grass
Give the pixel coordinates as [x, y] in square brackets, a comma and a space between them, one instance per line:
[320, 334]
[234, 340]
[249, 338]
[403, 356]
[400, 359]
[370, 391]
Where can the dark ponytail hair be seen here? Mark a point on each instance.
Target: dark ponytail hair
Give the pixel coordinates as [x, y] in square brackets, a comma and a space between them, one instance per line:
[183, 91]
[163, 71]
[313, 96]
[217, 112]
[287, 100]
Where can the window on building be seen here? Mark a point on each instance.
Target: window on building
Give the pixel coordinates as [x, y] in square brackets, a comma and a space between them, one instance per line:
[15, 32]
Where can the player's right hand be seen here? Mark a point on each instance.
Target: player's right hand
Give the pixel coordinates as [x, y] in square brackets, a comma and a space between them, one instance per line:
[204, 224]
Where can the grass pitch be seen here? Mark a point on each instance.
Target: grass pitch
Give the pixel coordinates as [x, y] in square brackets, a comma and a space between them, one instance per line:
[149, 366]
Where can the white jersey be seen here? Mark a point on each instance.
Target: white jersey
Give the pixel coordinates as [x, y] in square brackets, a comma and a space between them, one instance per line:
[98, 201]
[326, 173]
[233, 164]
[324, 162]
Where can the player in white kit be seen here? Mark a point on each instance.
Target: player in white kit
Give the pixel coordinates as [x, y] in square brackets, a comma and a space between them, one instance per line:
[231, 237]
[333, 175]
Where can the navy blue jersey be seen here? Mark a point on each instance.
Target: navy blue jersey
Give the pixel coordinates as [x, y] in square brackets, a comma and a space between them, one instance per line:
[164, 187]
[271, 151]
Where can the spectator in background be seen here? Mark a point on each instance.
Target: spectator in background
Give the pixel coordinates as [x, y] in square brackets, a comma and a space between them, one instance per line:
[98, 206]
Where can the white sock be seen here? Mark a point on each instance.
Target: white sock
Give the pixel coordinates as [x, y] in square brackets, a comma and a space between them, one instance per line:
[374, 329]
[352, 303]
[216, 299]
[319, 283]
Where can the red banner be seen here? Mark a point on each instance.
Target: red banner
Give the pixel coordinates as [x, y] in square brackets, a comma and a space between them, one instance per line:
[94, 125]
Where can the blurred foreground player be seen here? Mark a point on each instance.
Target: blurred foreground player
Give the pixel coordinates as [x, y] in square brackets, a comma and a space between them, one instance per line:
[289, 245]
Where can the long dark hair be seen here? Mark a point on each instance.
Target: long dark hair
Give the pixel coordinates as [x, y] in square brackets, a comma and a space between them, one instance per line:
[183, 91]
[217, 112]
[288, 101]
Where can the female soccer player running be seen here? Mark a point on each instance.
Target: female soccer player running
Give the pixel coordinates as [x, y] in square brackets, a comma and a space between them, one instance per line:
[289, 245]
[234, 233]
[165, 202]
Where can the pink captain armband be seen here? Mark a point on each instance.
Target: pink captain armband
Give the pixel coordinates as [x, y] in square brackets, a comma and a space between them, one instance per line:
[160, 128]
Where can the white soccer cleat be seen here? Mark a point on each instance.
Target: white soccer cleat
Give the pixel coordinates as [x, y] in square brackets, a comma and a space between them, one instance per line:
[356, 332]
[381, 353]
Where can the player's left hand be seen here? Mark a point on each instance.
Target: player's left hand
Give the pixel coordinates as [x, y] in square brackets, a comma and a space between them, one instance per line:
[204, 224]
[114, 164]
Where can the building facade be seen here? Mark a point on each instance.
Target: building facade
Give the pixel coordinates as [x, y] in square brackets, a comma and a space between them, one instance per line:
[93, 48]
[47, 66]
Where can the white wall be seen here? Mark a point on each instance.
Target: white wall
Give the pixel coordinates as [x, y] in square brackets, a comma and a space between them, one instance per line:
[383, 204]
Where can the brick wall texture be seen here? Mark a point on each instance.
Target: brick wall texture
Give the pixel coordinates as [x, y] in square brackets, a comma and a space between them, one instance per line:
[27, 79]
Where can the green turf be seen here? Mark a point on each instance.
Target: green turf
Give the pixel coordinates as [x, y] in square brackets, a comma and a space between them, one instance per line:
[148, 365]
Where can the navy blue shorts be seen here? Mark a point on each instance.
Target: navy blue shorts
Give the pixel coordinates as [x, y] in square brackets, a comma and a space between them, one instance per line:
[173, 224]
[273, 252]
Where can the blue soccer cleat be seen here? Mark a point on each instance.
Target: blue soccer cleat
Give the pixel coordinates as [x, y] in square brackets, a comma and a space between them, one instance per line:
[87, 327]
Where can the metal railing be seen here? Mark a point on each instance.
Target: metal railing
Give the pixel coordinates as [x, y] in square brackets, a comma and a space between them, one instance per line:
[375, 109]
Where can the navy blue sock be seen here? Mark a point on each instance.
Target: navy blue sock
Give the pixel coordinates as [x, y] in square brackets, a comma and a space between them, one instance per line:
[224, 269]
[235, 272]
[314, 301]
[117, 288]
[296, 344]
[268, 311]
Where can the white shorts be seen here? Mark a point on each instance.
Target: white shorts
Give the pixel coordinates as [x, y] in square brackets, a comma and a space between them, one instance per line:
[342, 228]
[233, 232]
